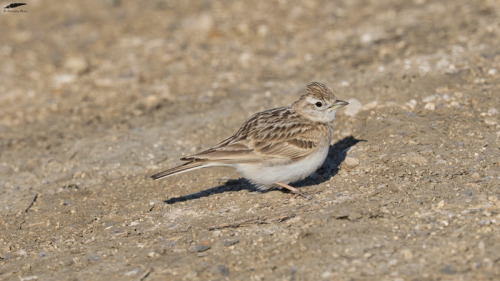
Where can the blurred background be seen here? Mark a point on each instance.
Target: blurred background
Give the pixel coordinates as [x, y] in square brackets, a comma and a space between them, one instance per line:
[97, 95]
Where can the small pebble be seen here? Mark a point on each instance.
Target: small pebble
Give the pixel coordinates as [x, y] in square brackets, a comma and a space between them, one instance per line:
[430, 106]
[191, 275]
[326, 274]
[26, 278]
[414, 158]
[229, 242]
[429, 98]
[448, 270]
[76, 64]
[151, 102]
[153, 254]
[220, 269]
[133, 272]
[441, 162]
[354, 216]
[351, 162]
[492, 111]
[407, 254]
[481, 246]
[411, 104]
[198, 248]
[62, 79]
[490, 121]
[353, 108]
[440, 204]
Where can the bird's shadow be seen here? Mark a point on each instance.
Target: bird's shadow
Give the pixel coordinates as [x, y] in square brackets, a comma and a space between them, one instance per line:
[336, 155]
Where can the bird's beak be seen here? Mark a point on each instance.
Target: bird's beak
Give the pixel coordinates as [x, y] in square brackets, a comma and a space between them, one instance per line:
[338, 103]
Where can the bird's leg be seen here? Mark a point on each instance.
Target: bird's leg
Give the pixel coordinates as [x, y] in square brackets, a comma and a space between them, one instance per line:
[293, 190]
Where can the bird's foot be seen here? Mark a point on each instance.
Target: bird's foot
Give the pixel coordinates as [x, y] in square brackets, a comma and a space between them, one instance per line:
[294, 190]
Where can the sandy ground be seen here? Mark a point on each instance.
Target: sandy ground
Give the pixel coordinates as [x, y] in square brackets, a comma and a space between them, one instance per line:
[97, 96]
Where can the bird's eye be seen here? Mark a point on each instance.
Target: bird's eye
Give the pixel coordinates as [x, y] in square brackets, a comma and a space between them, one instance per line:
[319, 104]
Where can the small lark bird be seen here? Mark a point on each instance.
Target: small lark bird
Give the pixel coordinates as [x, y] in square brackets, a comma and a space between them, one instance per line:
[277, 146]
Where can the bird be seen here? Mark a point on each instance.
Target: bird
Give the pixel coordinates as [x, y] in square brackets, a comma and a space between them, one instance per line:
[14, 5]
[275, 147]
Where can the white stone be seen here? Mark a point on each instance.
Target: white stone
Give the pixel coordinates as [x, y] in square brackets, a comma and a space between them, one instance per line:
[490, 121]
[76, 64]
[62, 79]
[492, 111]
[430, 106]
[351, 162]
[429, 98]
[326, 275]
[411, 104]
[353, 108]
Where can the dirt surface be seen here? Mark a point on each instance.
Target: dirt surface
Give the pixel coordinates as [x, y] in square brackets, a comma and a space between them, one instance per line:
[98, 96]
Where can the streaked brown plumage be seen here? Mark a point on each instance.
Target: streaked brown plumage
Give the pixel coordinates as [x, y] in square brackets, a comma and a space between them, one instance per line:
[276, 146]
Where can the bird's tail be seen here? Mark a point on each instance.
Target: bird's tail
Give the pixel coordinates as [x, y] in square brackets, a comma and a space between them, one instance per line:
[186, 167]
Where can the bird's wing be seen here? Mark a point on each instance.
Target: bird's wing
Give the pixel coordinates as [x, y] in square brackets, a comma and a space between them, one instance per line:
[278, 134]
